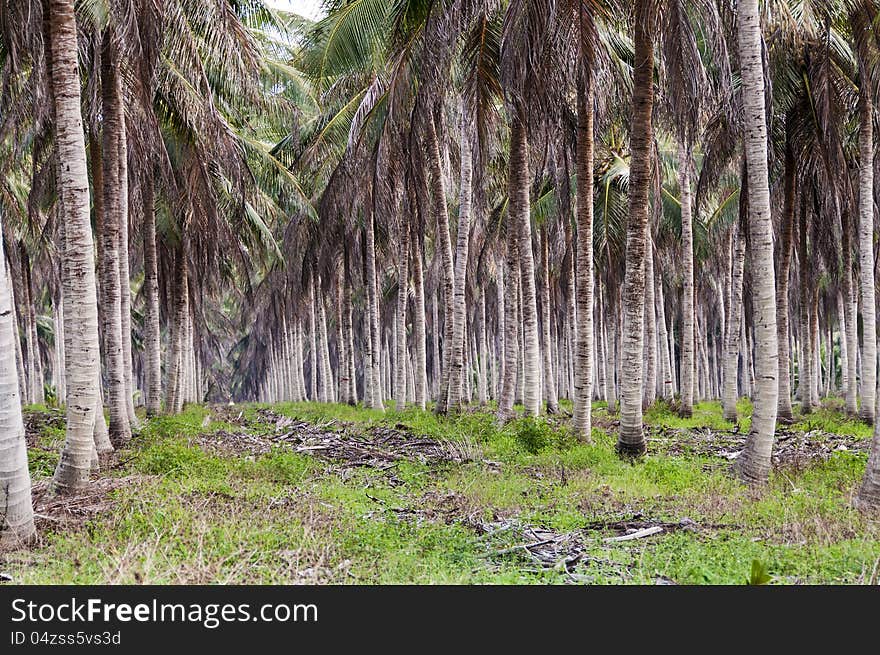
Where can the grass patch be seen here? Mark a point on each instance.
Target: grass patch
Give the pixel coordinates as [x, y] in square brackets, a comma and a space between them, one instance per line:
[197, 516]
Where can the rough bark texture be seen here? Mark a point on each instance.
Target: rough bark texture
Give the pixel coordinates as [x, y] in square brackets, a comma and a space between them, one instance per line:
[459, 314]
[519, 213]
[782, 281]
[16, 511]
[441, 217]
[400, 317]
[753, 464]
[631, 439]
[80, 296]
[152, 336]
[688, 366]
[805, 361]
[511, 331]
[111, 104]
[547, 344]
[866, 258]
[731, 355]
[420, 365]
[583, 375]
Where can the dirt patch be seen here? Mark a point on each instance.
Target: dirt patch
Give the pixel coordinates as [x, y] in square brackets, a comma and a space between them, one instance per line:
[378, 448]
[568, 552]
[53, 513]
[37, 422]
[792, 449]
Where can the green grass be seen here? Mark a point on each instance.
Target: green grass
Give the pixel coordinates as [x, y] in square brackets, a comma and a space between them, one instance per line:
[183, 513]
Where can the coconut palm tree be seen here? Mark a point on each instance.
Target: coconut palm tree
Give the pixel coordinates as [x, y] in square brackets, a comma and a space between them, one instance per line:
[753, 464]
[79, 292]
[631, 440]
[17, 518]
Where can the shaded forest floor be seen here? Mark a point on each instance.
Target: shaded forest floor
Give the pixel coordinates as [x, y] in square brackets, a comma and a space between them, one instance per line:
[308, 493]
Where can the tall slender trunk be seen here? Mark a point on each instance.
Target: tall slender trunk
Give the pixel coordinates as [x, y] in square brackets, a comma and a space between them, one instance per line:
[844, 349]
[519, 214]
[124, 272]
[111, 103]
[782, 282]
[400, 316]
[482, 351]
[59, 379]
[851, 316]
[687, 299]
[666, 387]
[583, 372]
[441, 216]
[650, 391]
[153, 338]
[547, 345]
[174, 387]
[731, 355]
[511, 331]
[17, 518]
[314, 359]
[80, 295]
[343, 375]
[805, 361]
[420, 366]
[326, 381]
[631, 439]
[753, 464]
[375, 398]
[456, 357]
[816, 360]
[435, 344]
[866, 256]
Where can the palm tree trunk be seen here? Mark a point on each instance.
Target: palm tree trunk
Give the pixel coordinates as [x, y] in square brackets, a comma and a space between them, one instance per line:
[509, 283]
[174, 387]
[519, 213]
[805, 362]
[844, 349]
[314, 360]
[80, 295]
[782, 282]
[731, 356]
[458, 345]
[120, 429]
[687, 300]
[583, 307]
[153, 338]
[375, 398]
[420, 368]
[435, 344]
[441, 216]
[866, 257]
[666, 386]
[753, 464]
[400, 317]
[650, 392]
[17, 518]
[482, 351]
[631, 439]
[816, 363]
[547, 350]
[124, 269]
[19, 355]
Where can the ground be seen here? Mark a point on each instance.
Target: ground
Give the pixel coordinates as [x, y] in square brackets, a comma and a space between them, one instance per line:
[308, 493]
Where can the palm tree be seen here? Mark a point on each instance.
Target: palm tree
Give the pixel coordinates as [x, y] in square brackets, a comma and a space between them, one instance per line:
[631, 439]
[17, 518]
[753, 464]
[80, 296]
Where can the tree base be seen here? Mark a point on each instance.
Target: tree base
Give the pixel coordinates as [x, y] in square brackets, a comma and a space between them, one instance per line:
[630, 451]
